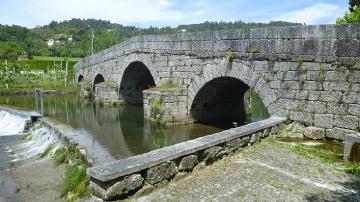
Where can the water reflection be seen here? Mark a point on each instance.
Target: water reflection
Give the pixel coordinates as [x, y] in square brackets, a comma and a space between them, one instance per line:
[121, 130]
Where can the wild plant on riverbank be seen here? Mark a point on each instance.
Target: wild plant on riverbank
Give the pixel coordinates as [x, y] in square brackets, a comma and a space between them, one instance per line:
[76, 180]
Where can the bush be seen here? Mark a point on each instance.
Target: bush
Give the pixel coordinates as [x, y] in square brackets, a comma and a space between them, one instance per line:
[350, 17]
[353, 169]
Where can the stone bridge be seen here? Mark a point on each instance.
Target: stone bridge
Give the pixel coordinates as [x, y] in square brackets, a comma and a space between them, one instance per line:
[309, 74]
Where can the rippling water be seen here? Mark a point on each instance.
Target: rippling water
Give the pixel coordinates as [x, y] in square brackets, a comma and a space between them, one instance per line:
[11, 124]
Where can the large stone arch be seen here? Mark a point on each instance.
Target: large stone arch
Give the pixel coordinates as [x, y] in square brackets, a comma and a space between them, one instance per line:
[246, 73]
[99, 78]
[136, 77]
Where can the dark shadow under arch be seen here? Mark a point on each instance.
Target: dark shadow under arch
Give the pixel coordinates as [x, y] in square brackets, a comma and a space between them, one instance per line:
[220, 102]
[80, 78]
[135, 79]
[98, 79]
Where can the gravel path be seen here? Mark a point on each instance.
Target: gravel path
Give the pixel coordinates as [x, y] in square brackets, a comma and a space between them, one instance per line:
[268, 171]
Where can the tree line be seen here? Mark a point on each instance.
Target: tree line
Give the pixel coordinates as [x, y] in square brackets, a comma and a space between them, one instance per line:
[72, 37]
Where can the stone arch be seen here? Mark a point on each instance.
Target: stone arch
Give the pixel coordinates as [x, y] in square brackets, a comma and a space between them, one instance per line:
[245, 74]
[99, 78]
[220, 101]
[80, 78]
[135, 78]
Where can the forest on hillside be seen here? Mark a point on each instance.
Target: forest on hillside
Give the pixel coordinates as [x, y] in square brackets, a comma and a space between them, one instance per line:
[71, 38]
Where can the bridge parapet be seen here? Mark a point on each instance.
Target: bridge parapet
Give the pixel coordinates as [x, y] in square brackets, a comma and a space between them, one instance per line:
[318, 43]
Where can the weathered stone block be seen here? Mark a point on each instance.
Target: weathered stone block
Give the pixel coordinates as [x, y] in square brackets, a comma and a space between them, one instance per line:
[331, 96]
[161, 172]
[304, 117]
[354, 109]
[265, 133]
[348, 122]
[255, 137]
[347, 48]
[121, 188]
[335, 108]
[314, 133]
[212, 154]
[237, 143]
[188, 163]
[324, 120]
[338, 133]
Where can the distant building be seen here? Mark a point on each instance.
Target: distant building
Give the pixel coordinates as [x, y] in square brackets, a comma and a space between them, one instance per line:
[70, 38]
[50, 42]
[183, 30]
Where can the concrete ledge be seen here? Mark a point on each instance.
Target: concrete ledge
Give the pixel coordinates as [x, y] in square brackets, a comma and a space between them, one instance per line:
[24, 114]
[106, 177]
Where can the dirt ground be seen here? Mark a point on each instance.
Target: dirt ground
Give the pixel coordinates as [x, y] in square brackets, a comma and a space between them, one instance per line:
[39, 181]
[268, 171]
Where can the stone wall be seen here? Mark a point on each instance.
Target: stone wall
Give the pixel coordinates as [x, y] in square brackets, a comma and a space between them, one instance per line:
[166, 107]
[125, 177]
[106, 93]
[307, 73]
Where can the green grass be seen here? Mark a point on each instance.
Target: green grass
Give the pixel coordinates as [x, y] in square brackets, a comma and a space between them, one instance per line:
[76, 180]
[47, 151]
[353, 168]
[47, 58]
[327, 156]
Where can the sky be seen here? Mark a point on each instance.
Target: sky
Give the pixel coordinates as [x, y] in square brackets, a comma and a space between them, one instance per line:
[159, 13]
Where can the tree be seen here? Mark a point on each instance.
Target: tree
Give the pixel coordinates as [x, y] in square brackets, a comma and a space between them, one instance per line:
[353, 3]
[9, 50]
[350, 17]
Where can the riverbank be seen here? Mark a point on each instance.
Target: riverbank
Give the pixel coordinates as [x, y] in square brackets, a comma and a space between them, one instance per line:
[44, 164]
[30, 91]
[269, 171]
[40, 181]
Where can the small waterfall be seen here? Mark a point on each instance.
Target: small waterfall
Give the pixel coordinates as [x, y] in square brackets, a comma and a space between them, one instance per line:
[40, 138]
[11, 124]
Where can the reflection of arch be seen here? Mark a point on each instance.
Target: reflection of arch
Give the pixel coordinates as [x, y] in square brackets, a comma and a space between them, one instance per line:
[248, 76]
[80, 78]
[98, 79]
[135, 79]
[220, 100]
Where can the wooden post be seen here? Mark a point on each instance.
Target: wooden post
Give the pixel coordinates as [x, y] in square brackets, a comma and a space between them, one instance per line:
[66, 71]
[6, 71]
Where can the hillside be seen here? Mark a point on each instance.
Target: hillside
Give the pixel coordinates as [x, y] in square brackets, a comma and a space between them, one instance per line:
[71, 38]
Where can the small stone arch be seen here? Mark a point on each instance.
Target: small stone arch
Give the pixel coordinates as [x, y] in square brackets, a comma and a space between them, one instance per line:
[80, 78]
[244, 73]
[99, 78]
[135, 78]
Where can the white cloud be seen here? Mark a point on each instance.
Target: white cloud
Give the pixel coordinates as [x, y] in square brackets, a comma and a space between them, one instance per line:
[121, 11]
[325, 13]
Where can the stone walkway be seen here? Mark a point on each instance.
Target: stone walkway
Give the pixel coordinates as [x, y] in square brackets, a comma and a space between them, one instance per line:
[268, 171]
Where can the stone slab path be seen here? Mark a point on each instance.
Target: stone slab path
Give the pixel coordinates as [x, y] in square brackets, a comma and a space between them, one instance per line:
[268, 171]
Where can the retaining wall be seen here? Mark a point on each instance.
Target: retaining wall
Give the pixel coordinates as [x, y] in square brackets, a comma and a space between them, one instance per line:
[121, 178]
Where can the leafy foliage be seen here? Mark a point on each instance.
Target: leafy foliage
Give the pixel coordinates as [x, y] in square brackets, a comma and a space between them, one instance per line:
[353, 168]
[353, 3]
[351, 16]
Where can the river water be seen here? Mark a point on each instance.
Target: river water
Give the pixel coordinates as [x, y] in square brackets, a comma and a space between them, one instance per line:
[120, 130]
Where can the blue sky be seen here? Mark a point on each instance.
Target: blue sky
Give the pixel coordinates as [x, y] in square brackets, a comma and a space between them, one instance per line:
[144, 13]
